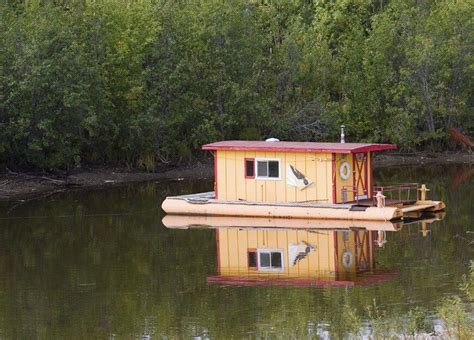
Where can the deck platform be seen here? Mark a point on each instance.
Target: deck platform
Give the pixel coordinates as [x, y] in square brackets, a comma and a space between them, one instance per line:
[206, 204]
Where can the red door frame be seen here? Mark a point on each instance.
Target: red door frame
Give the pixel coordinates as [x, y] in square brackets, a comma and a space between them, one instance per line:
[334, 189]
[215, 175]
[360, 173]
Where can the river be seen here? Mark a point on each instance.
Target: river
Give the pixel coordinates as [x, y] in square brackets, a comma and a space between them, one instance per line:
[100, 264]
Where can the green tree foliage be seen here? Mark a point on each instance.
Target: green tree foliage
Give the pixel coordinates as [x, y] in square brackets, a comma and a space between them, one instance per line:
[137, 83]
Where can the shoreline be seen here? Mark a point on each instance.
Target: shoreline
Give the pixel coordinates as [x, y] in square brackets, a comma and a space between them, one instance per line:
[21, 186]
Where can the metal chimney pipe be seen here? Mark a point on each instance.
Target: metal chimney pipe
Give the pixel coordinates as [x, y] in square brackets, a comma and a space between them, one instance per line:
[342, 134]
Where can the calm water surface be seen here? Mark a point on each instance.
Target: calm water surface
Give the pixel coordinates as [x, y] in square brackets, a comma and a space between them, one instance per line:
[100, 264]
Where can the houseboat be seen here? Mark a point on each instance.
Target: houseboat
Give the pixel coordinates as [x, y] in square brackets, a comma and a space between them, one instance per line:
[308, 180]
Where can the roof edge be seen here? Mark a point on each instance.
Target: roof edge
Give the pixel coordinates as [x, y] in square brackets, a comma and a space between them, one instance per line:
[273, 147]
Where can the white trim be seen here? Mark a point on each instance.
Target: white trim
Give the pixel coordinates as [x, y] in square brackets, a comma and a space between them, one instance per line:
[269, 251]
[266, 160]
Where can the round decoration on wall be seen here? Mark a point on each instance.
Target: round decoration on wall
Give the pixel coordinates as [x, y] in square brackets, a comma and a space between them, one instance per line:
[347, 259]
[345, 170]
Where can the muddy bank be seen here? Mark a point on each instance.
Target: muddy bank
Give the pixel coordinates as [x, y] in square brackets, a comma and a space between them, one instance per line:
[400, 159]
[18, 186]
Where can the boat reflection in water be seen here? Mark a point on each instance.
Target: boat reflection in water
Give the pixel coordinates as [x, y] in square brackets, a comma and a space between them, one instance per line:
[296, 252]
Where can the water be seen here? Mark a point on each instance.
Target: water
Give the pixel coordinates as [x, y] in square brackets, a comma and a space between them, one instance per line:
[100, 264]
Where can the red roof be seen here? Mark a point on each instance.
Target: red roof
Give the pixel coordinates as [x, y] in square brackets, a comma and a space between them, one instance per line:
[297, 146]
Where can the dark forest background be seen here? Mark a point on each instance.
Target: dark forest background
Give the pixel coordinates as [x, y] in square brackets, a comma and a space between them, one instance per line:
[141, 83]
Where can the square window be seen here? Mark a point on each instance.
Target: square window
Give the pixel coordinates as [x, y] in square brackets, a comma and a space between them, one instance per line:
[273, 168]
[268, 169]
[265, 260]
[270, 260]
[262, 168]
[276, 260]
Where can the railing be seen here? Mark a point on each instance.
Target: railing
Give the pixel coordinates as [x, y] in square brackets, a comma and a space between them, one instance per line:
[351, 189]
[403, 192]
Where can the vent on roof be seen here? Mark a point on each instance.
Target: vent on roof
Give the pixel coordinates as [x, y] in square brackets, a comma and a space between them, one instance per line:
[272, 140]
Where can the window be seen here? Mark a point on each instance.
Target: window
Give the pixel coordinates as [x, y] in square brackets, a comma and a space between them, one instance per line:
[270, 260]
[252, 258]
[249, 168]
[268, 168]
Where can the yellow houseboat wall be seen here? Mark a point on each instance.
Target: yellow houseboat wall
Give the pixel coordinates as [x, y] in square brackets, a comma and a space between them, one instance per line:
[232, 184]
[324, 261]
[322, 169]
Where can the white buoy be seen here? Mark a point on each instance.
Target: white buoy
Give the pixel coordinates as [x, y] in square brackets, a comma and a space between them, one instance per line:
[272, 139]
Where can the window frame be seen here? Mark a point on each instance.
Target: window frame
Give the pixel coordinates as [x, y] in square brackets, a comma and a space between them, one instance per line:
[250, 159]
[269, 251]
[267, 160]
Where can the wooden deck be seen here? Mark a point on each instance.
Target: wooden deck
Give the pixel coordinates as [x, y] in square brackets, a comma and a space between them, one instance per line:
[410, 208]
